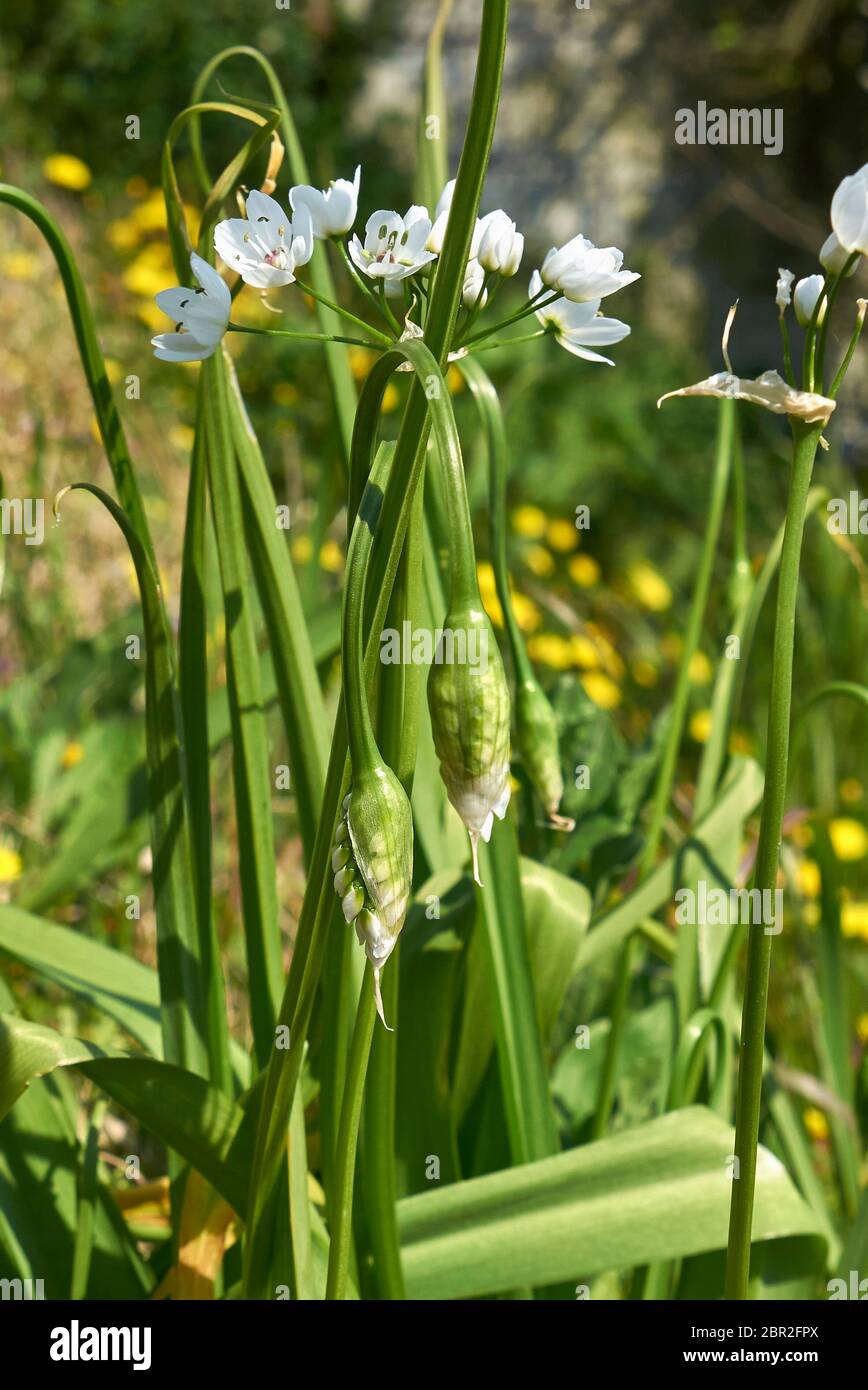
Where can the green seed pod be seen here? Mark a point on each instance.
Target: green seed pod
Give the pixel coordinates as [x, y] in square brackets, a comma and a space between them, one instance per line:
[469, 704]
[537, 737]
[373, 863]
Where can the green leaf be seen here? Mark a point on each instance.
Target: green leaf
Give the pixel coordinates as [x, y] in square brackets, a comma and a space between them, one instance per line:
[201, 1124]
[659, 1191]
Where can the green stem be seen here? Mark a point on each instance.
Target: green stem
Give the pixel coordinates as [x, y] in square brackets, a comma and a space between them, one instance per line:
[309, 337]
[351, 1109]
[848, 355]
[531, 307]
[830, 304]
[511, 342]
[344, 313]
[806, 439]
[666, 773]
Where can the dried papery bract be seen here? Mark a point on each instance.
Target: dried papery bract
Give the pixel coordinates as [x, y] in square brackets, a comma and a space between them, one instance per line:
[769, 390]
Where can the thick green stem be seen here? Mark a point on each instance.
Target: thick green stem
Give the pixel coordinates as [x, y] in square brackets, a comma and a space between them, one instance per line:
[806, 439]
[351, 1109]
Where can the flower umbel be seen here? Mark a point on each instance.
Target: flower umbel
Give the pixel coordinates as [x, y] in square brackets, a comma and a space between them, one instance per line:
[394, 246]
[579, 327]
[201, 316]
[265, 247]
[332, 210]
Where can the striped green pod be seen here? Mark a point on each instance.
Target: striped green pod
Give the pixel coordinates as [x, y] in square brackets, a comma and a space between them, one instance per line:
[372, 862]
[538, 745]
[470, 714]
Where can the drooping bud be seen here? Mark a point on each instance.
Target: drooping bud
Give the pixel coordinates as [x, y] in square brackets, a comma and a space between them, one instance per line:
[372, 860]
[833, 257]
[805, 297]
[469, 704]
[537, 736]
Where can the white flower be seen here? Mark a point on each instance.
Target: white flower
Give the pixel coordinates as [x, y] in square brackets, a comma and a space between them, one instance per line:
[500, 245]
[441, 217]
[850, 212]
[333, 210]
[579, 327]
[805, 297]
[583, 271]
[200, 316]
[394, 246]
[474, 279]
[783, 288]
[833, 257]
[265, 247]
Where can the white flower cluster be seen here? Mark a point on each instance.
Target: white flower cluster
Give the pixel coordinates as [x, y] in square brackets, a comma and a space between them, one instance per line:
[847, 241]
[268, 245]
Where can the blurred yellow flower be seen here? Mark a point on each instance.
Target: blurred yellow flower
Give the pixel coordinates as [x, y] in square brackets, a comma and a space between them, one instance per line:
[182, 437]
[123, 234]
[540, 561]
[527, 614]
[585, 654]
[700, 725]
[649, 587]
[454, 380]
[285, 393]
[645, 673]
[672, 646]
[485, 576]
[851, 791]
[802, 834]
[331, 557]
[301, 549]
[529, 522]
[150, 272]
[562, 535]
[11, 864]
[113, 370]
[154, 318]
[609, 658]
[700, 669]
[740, 742]
[150, 215]
[361, 360]
[67, 171]
[551, 649]
[19, 265]
[849, 839]
[809, 878]
[815, 1123]
[584, 571]
[862, 1028]
[391, 398]
[854, 919]
[603, 691]
[72, 755]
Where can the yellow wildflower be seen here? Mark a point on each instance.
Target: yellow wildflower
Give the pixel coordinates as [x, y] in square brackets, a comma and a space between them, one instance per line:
[585, 654]
[67, 171]
[700, 725]
[551, 649]
[527, 614]
[854, 920]
[645, 673]
[862, 1028]
[740, 742]
[529, 522]
[562, 535]
[649, 587]
[602, 690]
[851, 791]
[540, 561]
[584, 571]
[10, 864]
[301, 549]
[700, 669]
[331, 557]
[672, 646]
[816, 1123]
[182, 437]
[19, 265]
[123, 234]
[391, 398]
[72, 755]
[849, 839]
[809, 878]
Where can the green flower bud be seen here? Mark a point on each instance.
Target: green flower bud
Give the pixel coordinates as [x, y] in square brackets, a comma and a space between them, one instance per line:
[537, 737]
[373, 863]
[469, 704]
